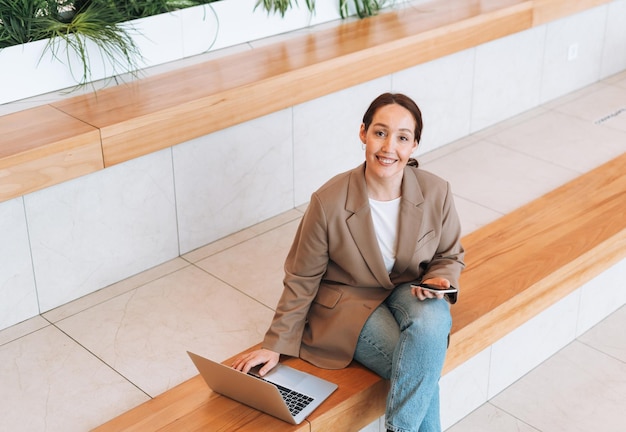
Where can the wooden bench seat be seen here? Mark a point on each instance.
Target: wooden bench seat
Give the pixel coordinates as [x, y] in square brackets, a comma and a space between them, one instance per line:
[146, 115]
[517, 266]
[42, 147]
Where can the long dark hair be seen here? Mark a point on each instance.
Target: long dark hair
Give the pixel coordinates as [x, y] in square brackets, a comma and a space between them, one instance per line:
[399, 99]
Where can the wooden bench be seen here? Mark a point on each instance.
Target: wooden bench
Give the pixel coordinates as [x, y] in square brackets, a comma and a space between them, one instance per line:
[83, 134]
[517, 266]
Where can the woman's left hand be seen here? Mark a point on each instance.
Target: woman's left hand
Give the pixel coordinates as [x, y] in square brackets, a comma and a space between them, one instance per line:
[423, 294]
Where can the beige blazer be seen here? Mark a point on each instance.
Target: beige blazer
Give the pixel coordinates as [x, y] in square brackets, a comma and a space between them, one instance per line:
[335, 275]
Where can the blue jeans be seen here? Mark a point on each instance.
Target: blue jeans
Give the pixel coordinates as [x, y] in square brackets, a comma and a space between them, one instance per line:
[405, 340]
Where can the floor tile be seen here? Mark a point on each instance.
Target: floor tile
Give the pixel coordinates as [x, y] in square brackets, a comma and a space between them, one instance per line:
[608, 337]
[577, 94]
[510, 122]
[50, 383]
[22, 329]
[144, 334]
[605, 106]
[241, 236]
[489, 418]
[473, 216]
[577, 390]
[114, 290]
[498, 178]
[617, 79]
[255, 267]
[426, 157]
[564, 140]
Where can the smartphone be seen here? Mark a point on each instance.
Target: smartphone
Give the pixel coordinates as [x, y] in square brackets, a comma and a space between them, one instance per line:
[436, 289]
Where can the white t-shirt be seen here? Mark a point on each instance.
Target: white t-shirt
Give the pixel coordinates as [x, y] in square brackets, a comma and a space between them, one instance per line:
[385, 215]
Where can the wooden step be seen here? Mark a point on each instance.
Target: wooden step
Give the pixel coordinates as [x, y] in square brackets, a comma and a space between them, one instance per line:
[517, 266]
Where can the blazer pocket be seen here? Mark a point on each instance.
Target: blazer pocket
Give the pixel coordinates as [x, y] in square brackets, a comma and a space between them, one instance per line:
[425, 239]
[328, 297]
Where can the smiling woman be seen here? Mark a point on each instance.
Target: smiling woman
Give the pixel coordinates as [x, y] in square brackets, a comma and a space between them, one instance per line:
[368, 237]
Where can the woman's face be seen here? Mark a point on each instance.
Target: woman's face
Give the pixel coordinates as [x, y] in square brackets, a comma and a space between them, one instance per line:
[389, 141]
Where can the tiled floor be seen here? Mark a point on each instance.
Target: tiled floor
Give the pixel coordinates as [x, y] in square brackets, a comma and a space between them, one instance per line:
[77, 366]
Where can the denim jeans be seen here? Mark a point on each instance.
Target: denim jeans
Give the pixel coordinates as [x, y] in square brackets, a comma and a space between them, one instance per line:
[405, 340]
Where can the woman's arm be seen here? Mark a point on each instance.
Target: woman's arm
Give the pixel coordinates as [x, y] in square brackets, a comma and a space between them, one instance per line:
[305, 266]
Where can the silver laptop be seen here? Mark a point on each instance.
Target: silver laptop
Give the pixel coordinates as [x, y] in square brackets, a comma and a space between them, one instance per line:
[284, 392]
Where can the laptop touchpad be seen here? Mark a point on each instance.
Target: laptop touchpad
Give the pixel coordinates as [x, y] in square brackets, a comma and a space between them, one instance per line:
[285, 376]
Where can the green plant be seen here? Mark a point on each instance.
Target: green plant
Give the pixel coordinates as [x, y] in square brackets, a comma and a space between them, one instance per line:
[364, 8]
[21, 21]
[96, 22]
[71, 25]
[281, 6]
[132, 9]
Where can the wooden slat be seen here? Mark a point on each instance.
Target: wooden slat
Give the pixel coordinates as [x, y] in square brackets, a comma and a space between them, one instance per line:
[161, 111]
[150, 114]
[517, 266]
[192, 406]
[42, 147]
[529, 259]
[550, 10]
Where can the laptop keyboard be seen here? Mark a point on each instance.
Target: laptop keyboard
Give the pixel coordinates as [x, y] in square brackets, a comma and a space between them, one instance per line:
[295, 401]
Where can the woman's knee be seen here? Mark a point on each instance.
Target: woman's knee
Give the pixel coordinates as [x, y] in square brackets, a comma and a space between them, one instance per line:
[428, 316]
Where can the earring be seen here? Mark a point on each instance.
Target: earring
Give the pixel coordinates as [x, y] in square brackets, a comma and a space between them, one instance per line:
[363, 146]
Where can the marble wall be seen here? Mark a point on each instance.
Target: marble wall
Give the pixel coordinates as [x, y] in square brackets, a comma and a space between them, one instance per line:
[74, 238]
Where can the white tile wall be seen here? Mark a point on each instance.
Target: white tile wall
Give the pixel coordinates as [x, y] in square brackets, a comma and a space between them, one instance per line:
[601, 296]
[531, 343]
[93, 231]
[90, 232]
[325, 145]
[583, 32]
[614, 51]
[507, 77]
[18, 299]
[233, 178]
[443, 90]
[465, 388]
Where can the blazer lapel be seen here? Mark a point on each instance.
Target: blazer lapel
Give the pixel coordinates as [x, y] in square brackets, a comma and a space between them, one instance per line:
[362, 229]
[411, 215]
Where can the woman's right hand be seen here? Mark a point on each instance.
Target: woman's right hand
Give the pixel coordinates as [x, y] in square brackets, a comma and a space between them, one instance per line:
[263, 356]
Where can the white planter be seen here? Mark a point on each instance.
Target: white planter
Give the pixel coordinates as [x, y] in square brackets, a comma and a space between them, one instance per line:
[240, 22]
[31, 69]
[175, 35]
[25, 70]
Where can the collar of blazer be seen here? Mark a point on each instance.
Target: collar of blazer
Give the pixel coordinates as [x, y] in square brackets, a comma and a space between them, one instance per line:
[362, 229]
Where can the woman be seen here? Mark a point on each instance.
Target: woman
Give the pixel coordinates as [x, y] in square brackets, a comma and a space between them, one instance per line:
[368, 236]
